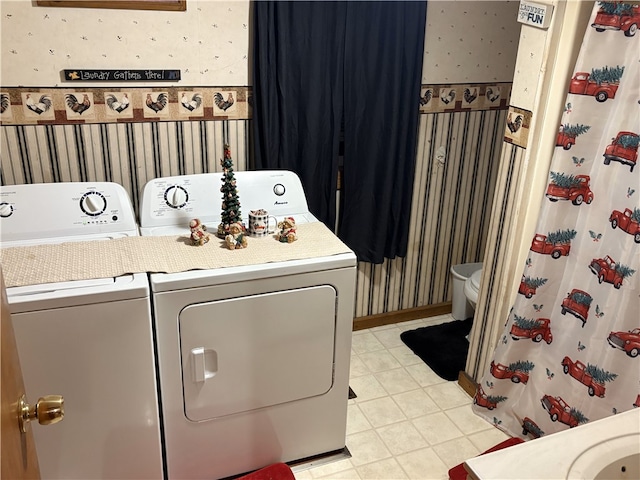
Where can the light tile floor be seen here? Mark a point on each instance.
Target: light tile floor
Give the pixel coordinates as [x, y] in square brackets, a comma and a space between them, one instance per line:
[406, 422]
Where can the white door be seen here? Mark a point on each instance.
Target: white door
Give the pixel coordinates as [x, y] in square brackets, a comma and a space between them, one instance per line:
[251, 352]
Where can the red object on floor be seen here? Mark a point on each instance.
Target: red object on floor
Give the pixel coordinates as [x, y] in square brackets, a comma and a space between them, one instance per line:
[459, 473]
[277, 471]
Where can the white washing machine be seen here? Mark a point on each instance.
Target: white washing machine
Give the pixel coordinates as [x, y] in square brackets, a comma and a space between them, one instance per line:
[253, 360]
[90, 341]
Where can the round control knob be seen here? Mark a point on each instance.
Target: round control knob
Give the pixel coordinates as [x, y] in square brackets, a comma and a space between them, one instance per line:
[279, 189]
[93, 203]
[5, 209]
[176, 196]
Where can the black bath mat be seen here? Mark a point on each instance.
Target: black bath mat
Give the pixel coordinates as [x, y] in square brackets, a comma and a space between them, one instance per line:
[443, 347]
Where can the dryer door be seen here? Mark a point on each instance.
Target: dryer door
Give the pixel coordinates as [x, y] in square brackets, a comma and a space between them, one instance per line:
[251, 352]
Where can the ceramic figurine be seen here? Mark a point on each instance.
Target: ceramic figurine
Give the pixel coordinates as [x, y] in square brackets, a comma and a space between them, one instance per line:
[287, 232]
[236, 237]
[199, 236]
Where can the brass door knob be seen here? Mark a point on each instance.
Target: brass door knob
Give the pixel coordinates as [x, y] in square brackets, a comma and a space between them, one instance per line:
[48, 410]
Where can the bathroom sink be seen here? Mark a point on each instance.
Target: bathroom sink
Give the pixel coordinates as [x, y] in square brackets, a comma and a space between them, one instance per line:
[608, 448]
[611, 459]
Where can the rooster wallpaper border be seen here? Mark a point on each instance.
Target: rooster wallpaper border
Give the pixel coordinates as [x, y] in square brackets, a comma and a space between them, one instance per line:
[59, 106]
[37, 106]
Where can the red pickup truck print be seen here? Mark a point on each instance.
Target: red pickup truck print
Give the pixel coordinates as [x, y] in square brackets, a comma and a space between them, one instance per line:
[536, 330]
[518, 372]
[617, 16]
[583, 83]
[578, 370]
[543, 245]
[607, 270]
[568, 133]
[628, 342]
[577, 303]
[529, 286]
[569, 187]
[565, 140]
[487, 401]
[624, 149]
[531, 427]
[559, 410]
[628, 221]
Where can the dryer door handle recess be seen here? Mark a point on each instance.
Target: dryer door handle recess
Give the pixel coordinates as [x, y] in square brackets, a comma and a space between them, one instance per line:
[204, 364]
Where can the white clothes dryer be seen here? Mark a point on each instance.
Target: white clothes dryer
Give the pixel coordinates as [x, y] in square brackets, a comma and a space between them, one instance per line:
[88, 340]
[253, 360]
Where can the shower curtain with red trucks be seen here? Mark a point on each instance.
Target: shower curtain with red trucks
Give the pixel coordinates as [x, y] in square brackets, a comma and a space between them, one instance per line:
[570, 350]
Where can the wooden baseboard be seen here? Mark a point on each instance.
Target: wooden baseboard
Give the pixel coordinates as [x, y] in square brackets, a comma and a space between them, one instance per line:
[467, 383]
[398, 316]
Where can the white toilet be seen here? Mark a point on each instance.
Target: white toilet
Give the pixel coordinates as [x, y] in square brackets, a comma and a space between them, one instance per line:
[462, 306]
[472, 287]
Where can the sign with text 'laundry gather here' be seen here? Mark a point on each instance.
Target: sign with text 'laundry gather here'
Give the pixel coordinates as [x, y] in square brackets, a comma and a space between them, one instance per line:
[149, 75]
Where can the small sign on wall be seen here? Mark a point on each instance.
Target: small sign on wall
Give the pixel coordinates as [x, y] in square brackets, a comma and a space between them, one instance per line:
[78, 75]
[535, 14]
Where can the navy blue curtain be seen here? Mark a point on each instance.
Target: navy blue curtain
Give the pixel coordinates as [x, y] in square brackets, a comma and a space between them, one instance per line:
[319, 66]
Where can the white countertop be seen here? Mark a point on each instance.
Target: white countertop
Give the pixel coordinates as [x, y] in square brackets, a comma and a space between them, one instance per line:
[577, 453]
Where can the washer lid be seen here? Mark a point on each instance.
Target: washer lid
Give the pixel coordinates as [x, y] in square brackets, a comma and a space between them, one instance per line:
[475, 279]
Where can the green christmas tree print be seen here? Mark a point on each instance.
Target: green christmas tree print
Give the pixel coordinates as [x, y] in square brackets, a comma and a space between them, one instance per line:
[561, 236]
[521, 365]
[629, 141]
[599, 375]
[578, 415]
[563, 180]
[616, 8]
[575, 130]
[606, 74]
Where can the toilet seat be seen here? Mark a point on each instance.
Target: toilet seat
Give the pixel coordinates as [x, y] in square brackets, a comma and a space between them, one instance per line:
[472, 287]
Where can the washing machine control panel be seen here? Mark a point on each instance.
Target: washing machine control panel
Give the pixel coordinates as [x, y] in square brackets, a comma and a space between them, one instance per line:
[173, 201]
[176, 196]
[57, 210]
[93, 203]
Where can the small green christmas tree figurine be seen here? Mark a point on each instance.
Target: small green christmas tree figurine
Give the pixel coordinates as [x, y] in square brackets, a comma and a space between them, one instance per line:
[230, 201]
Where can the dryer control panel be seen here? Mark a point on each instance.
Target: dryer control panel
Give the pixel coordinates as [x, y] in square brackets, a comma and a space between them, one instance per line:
[60, 210]
[173, 201]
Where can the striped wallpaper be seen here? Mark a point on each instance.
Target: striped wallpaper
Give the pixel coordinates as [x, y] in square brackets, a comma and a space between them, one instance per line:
[451, 205]
[452, 200]
[495, 304]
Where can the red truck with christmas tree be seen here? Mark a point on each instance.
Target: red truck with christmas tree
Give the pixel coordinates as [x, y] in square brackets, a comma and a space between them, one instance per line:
[529, 286]
[569, 187]
[601, 83]
[559, 410]
[628, 221]
[629, 341]
[536, 330]
[555, 244]
[568, 133]
[591, 376]
[609, 271]
[624, 149]
[487, 401]
[531, 427]
[577, 303]
[516, 371]
[617, 16]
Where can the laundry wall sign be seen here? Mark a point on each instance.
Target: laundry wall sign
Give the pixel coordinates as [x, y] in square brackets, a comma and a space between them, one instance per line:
[149, 75]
